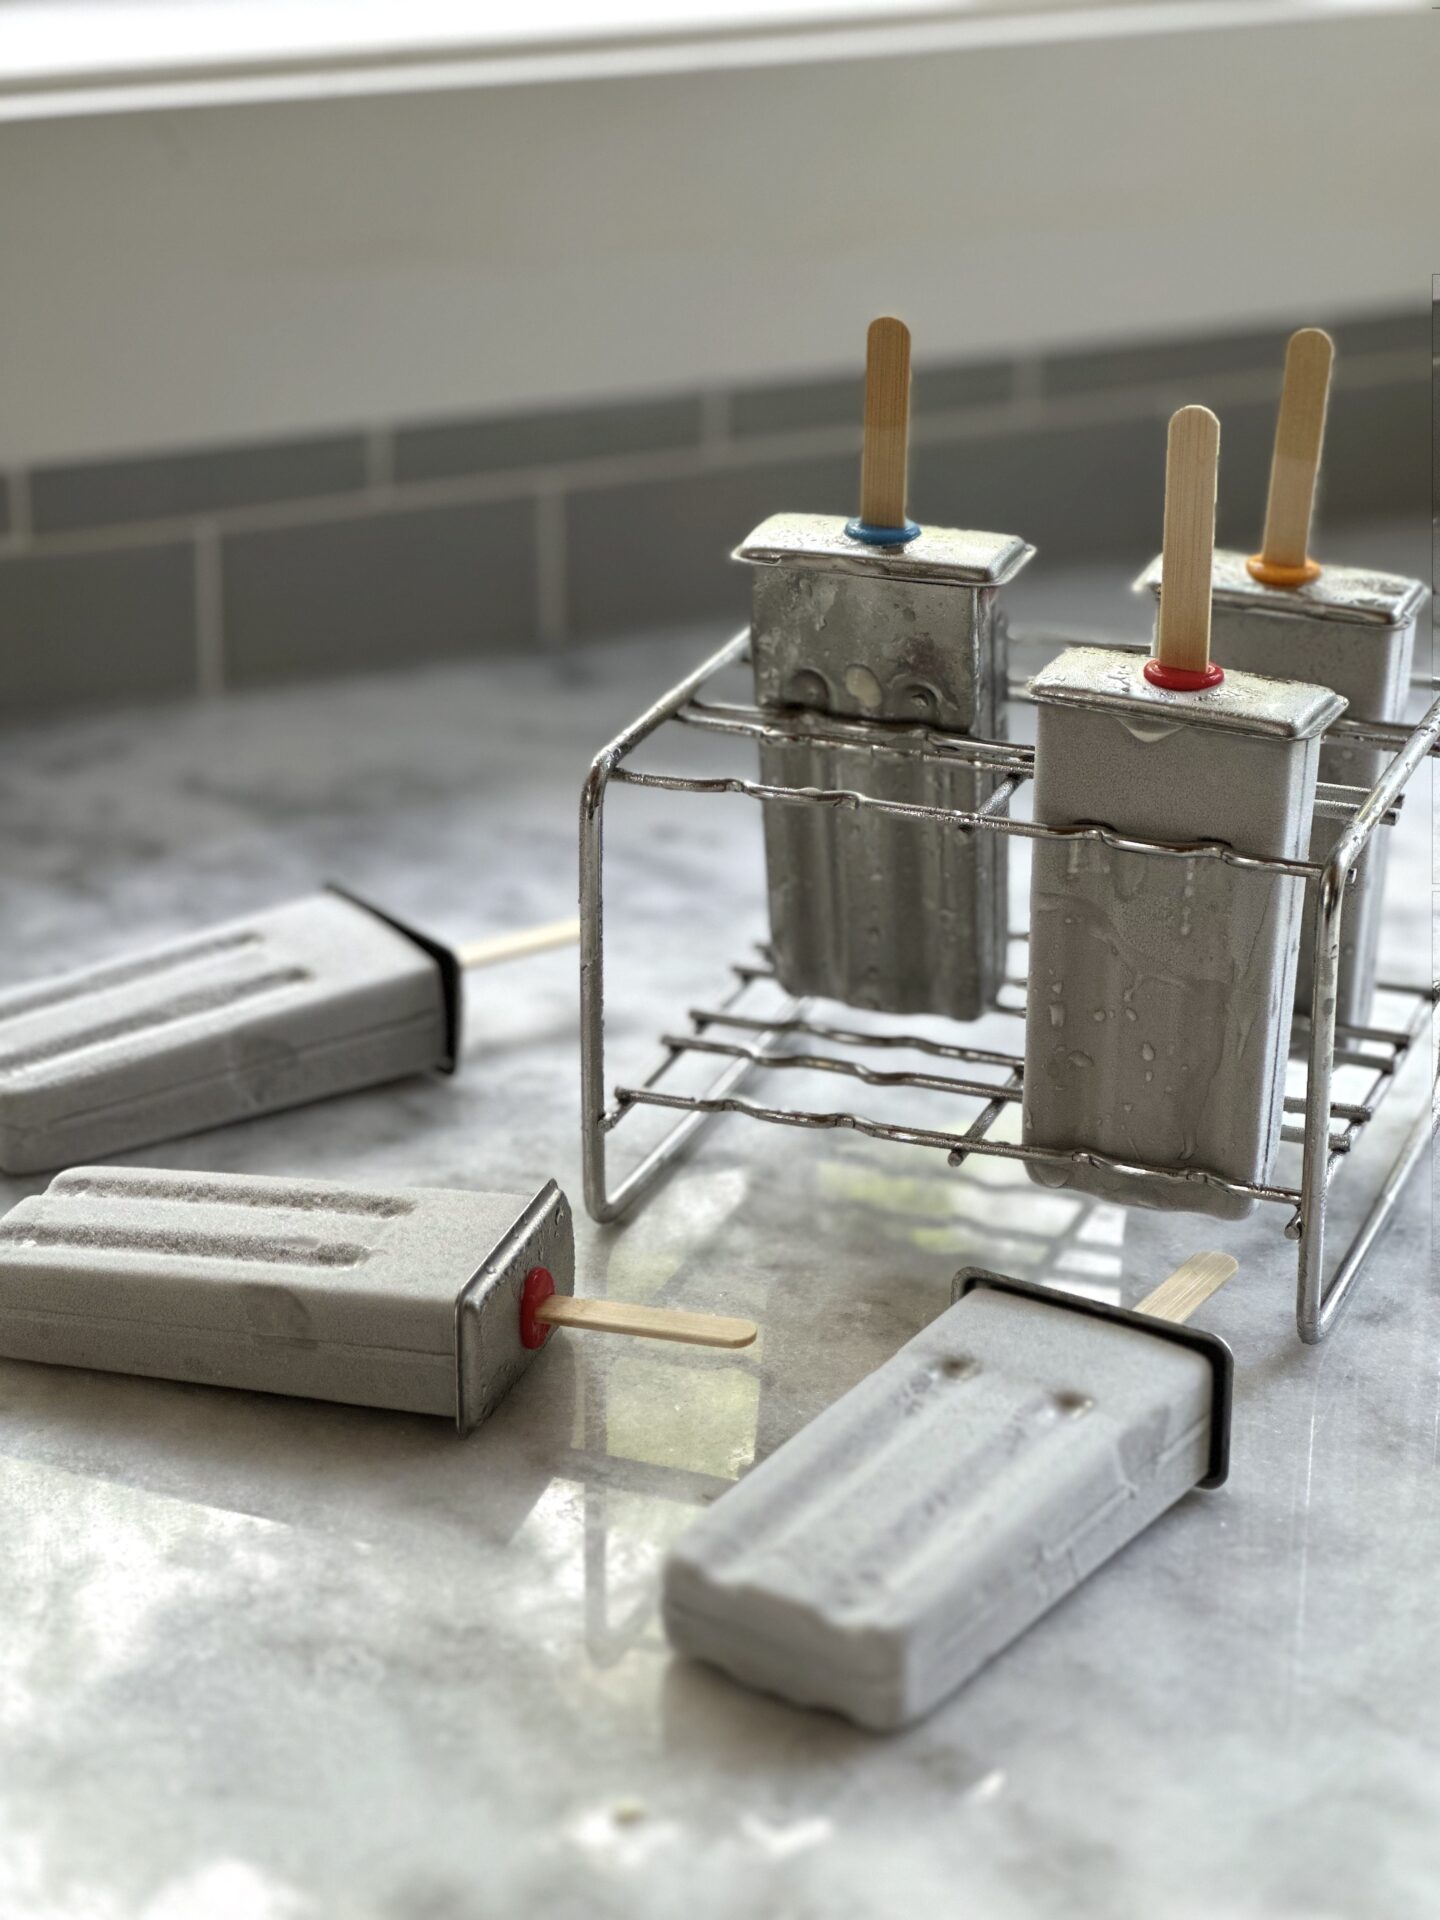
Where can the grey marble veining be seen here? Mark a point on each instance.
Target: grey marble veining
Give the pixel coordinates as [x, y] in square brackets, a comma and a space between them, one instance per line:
[281, 1660]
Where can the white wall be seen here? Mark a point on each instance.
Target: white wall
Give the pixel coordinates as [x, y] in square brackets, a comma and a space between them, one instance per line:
[185, 277]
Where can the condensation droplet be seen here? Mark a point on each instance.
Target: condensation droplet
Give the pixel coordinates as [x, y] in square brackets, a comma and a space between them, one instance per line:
[861, 685]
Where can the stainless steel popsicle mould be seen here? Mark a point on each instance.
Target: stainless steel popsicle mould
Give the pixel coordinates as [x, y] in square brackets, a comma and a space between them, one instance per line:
[1158, 1020]
[319, 996]
[926, 1519]
[316, 997]
[1353, 631]
[755, 1030]
[406, 1298]
[883, 910]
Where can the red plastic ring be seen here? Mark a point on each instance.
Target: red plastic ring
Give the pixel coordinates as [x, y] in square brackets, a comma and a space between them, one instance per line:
[1183, 679]
[538, 1287]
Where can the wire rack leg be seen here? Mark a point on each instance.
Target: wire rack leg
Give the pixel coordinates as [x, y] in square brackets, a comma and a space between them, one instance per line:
[1417, 1141]
[1312, 1319]
[600, 1203]
[1317, 1306]
[592, 986]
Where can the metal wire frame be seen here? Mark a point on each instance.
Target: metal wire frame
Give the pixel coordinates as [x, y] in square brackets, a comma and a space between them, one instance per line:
[1329, 1130]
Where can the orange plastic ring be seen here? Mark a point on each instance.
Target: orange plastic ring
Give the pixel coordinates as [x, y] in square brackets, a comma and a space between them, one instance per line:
[1271, 575]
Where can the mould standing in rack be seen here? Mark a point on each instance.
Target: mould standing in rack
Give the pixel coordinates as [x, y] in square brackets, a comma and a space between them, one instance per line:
[1280, 612]
[876, 620]
[1161, 984]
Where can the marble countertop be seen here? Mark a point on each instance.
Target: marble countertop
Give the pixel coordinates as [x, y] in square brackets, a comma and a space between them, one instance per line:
[265, 1659]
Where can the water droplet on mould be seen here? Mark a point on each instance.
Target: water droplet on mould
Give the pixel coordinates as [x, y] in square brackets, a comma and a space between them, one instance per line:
[861, 685]
[1147, 1052]
[1078, 1059]
[1146, 731]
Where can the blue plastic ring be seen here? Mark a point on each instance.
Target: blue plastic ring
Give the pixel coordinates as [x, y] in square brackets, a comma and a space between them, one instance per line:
[882, 536]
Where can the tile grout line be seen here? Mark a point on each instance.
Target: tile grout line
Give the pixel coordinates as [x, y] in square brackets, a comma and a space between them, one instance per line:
[551, 586]
[1028, 390]
[714, 420]
[18, 534]
[379, 458]
[209, 612]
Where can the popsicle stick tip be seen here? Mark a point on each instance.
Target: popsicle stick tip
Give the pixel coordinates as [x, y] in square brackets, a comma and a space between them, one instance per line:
[1195, 418]
[1192, 1283]
[884, 459]
[888, 333]
[1284, 557]
[1314, 341]
[1182, 630]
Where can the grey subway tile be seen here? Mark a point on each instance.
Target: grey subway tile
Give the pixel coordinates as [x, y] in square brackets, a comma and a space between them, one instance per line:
[557, 436]
[164, 486]
[1405, 332]
[84, 627]
[1095, 491]
[797, 405]
[377, 590]
[1377, 452]
[1165, 363]
[1075, 492]
[656, 552]
[1247, 437]
[964, 383]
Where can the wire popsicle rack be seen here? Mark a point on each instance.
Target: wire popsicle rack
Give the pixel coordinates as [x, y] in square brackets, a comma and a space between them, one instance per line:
[749, 1043]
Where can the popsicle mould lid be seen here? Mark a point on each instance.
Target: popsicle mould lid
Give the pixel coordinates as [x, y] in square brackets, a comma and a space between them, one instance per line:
[1105, 680]
[946, 556]
[1352, 595]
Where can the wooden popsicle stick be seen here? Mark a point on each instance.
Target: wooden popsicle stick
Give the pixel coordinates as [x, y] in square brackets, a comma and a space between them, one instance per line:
[885, 455]
[516, 946]
[1192, 458]
[1284, 558]
[648, 1323]
[1191, 1284]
